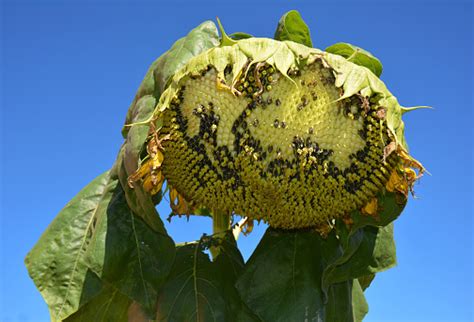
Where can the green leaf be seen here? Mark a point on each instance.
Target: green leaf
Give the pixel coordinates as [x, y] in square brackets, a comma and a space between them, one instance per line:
[140, 202]
[127, 163]
[109, 306]
[128, 254]
[146, 91]
[298, 275]
[97, 232]
[339, 304]
[376, 253]
[390, 207]
[229, 265]
[240, 35]
[367, 246]
[198, 40]
[359, 305]
[367, 251]
[138, 133]
[292, 27]
[346, 302]
[358, 56]
[282, 279]
[57, 262]
[225, 39]
[147, 96]
[365, 281]
[342, 248]
[200, 290]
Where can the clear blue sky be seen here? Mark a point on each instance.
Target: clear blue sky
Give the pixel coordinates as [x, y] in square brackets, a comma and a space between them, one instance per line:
[70, 70]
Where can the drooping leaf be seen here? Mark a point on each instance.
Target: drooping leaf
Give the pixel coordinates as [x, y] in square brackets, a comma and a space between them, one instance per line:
[360, 307]
[339, 303]
[147, 95]
[140, 202]
[298, 275]
[282, 279]
[346, 302]
[200, 290]
[138, 133]
[57, 262]
[292, 27]
[108, 306]
[389, 208]
[229, 265]
[376, 253]
[127, 162]
[130, 255]
[367, 246]
[365, 281]
[97, 232]
[198, 40]
[358, 56]
[348, 242]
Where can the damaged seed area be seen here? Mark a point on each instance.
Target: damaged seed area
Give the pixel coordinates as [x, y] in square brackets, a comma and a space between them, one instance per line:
[282, 150]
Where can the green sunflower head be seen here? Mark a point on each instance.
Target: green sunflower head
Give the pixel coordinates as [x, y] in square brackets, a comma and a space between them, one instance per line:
[280, 132]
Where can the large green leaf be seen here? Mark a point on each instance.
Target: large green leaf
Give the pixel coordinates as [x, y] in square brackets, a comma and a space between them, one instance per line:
[292, 27]
[282, 279]
[346, 302]
[198, 40]
[339, 303]
[57, 262]
[297, 275]
[367, 246]
[97, 232]
[138, 133]
[127, 162]
[200, 290]
[229, 265]
[109, 306]
[146, 91]
[376, 253]
[127, 253]
[358, 56]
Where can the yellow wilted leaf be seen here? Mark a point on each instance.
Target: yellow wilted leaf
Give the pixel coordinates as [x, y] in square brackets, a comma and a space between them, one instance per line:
[371, 208]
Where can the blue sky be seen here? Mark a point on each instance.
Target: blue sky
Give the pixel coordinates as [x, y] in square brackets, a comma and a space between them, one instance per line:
[70, 70]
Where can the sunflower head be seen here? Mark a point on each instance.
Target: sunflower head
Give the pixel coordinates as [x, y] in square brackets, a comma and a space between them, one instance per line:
[279, 132]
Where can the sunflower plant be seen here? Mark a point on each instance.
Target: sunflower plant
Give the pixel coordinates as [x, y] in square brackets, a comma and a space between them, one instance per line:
[242, 130]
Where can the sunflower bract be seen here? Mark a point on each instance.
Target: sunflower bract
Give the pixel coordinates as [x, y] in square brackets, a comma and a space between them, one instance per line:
[279, 132]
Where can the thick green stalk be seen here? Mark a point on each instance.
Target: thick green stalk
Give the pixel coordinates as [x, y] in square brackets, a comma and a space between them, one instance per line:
[220, 224]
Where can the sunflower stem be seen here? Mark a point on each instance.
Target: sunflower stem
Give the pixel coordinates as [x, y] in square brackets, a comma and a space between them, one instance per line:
[220, 224]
